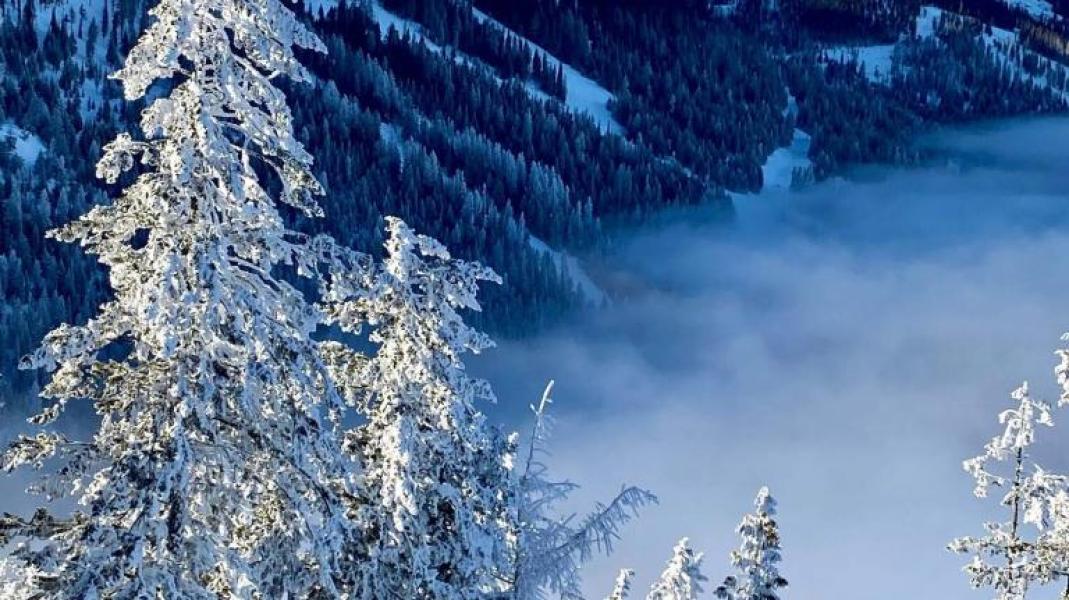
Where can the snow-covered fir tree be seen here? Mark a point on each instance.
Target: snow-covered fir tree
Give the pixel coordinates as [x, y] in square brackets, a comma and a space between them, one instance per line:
[551, 549]
[438, 522]
[682, 578]
[1013, 557]
[758, 556]
[217, 469]
[621, 589]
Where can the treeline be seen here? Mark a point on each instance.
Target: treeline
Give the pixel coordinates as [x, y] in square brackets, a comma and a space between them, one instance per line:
[851, 120]
[688, 86]
[461, 130]
[398, 127]
[454, 24]
[575, 173]
[848, 20]
[951, 77]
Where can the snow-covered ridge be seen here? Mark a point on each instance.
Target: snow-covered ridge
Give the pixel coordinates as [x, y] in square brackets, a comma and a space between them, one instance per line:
[878, 60]
[1005, 45]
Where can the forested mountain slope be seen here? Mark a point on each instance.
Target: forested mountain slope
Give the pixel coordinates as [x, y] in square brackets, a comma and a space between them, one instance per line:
[520, 132]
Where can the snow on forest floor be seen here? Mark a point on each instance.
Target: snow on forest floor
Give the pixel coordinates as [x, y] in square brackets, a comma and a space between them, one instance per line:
[584, 94]
[78, 14]
[27, 145]
[317, 8]
[876, 60]
[571, 267]
[1007, 47]
[778, 171]
[928, 20]
[780, 166]
[1005, 44]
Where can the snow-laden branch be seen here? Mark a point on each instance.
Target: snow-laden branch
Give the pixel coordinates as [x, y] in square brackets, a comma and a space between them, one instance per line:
[1011, 557]
[551, 550]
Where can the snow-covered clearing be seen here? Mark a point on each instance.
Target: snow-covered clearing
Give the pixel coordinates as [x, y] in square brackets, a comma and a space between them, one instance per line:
[571, 267]
[928, 21]
[584, 94]
[876, 60]
[779, 168]
[27, 145]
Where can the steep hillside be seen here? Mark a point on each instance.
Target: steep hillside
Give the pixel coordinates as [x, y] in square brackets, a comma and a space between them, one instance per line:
[522, 133]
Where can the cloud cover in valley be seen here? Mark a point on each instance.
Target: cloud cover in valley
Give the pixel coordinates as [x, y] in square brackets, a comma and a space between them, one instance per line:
[848, 345]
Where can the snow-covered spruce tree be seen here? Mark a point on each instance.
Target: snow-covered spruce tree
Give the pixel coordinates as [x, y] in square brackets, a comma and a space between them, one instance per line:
[438, 522]
[758, 555]
[217, 469]
[682, 578]
[621, 589]
[1010, 559]
[551, 550]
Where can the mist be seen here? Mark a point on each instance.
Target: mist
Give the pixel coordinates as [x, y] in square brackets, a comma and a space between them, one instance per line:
[847, 345]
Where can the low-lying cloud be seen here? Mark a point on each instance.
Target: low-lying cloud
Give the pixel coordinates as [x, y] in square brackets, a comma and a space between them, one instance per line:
[848, 345]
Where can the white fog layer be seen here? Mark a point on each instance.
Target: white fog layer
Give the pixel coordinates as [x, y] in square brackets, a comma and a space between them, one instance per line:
[848, 346]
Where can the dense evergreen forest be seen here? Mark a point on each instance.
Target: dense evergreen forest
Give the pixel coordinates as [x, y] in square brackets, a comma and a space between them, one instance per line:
[462, 122]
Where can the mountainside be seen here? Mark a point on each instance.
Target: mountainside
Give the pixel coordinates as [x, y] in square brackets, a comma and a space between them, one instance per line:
[522, 133]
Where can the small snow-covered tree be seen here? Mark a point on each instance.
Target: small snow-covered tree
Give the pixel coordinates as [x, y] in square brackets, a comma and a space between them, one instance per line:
[550, 549]
[682, 578]
[621, 589]
[758, 555]
[1010, 559]
[217, 469]
[437, 523]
